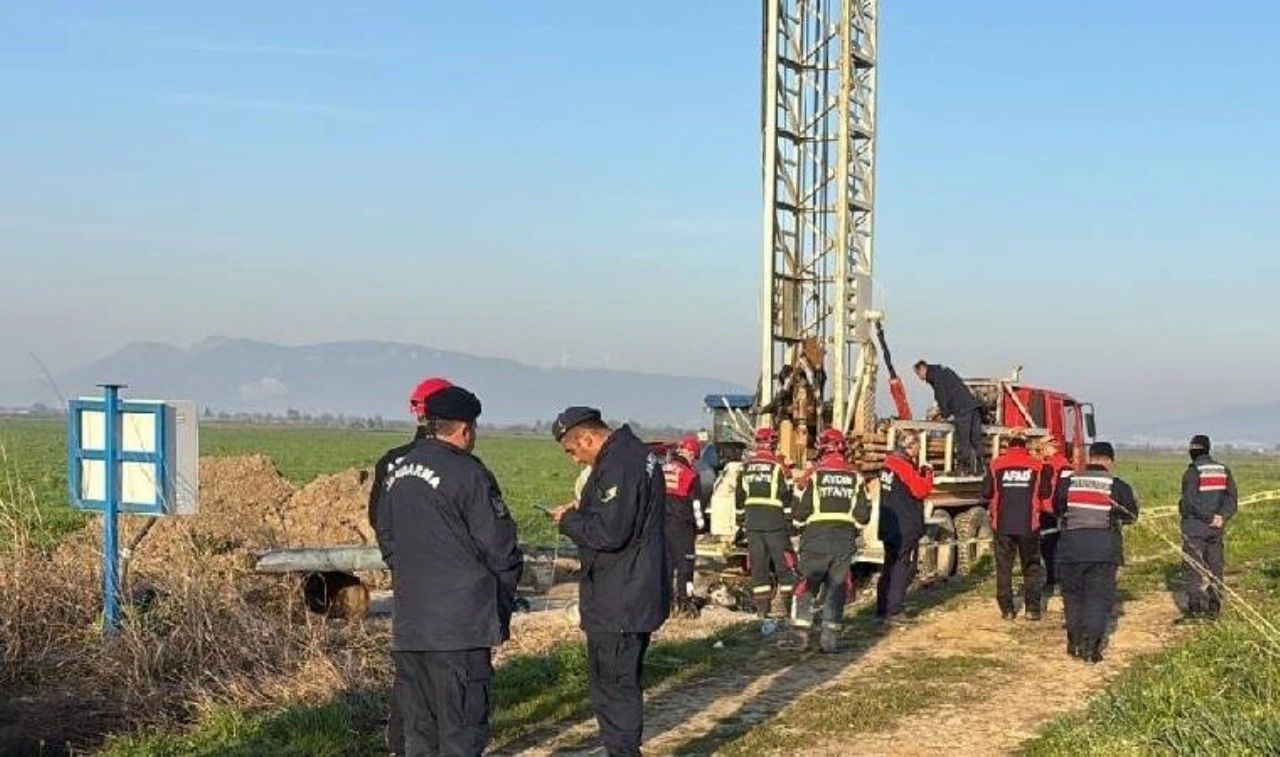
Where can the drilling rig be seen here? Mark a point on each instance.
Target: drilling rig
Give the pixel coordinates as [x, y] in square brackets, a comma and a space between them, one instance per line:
[819, 327]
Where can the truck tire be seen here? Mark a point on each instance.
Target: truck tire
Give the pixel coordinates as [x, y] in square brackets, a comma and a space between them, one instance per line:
[972, 524]
[936, 558]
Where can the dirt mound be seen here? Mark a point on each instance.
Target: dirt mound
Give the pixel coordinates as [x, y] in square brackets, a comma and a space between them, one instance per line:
[331, 510]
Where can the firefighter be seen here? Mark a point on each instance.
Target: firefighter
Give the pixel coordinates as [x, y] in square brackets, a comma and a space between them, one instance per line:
[1208, 502]
[903, 488]
[1011, 487]
[762, 505]
[625, 588]
[418, 407]
[1091, 506]
[830, 505]
[956, 401]
[1054, 467]
[683, 521]
[451, 544]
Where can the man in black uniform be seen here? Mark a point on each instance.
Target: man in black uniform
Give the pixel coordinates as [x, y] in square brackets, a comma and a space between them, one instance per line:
[956, 401]
[451, 545]
[1208, 502]
[624, 594]
[831, 505]
[418, 407]
[762, 506]
[1091, 506]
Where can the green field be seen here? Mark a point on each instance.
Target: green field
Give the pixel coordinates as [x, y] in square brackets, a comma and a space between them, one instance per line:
[1220, 688]
[529, 469]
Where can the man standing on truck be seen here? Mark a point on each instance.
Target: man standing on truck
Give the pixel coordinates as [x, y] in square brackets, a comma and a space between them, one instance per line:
[683, 521]
[451, 544]
[762, 506]
[1208, 502]
[418, 407]
[956, 402]
[624, 594]
[1091, 506]
[1055, 467]
[903, 488]
[831, 505]
[1011, 489]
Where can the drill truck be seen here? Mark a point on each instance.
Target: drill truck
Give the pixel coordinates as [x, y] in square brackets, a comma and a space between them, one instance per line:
[819, 359]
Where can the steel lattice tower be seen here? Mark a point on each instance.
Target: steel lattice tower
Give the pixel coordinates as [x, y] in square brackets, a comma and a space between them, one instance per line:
[819, 123]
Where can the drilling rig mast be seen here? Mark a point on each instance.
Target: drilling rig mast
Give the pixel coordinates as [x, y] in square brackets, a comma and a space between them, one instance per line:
[819, 126]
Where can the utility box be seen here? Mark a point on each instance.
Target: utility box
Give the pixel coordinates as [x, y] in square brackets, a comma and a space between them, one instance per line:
[157, 450]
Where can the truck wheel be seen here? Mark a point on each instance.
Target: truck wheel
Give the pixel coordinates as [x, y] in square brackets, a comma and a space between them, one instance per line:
[936, 558]
[972, 524]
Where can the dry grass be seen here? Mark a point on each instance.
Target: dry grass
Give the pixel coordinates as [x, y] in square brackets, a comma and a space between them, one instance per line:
[203, 631]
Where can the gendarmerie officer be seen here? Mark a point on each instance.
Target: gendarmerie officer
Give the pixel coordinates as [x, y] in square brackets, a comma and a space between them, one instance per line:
[1207, 504]
[451, 544]
[418, 407]
[624, 594]
[1091, 506]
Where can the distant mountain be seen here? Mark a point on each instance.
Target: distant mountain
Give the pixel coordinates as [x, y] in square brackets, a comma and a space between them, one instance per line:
[1246, 425]
[367, 378]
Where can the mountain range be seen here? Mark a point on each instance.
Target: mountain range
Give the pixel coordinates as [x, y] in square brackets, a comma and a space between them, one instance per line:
[369, 378]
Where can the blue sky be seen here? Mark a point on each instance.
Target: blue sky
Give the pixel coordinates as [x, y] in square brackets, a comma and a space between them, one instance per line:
[1086, 188]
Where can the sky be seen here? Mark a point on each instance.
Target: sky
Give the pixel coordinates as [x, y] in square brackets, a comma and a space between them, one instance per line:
[1087, 189]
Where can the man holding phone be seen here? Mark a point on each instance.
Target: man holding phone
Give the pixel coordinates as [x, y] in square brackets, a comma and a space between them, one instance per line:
[624, 594]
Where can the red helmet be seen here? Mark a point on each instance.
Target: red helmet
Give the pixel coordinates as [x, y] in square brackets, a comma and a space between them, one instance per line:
[689, 448]
[424, 389]
[831, 439]
[766, 435]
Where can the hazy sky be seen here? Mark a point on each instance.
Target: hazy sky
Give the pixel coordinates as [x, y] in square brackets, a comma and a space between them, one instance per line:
[1087, 188]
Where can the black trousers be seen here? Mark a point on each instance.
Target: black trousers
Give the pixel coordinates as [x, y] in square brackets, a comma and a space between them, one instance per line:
[1088, 596]
[614, 664]
[897, 573]
[681, 536]
[445, 701]
[969, 442]
[1049, 552]
[1026, 550]
[818, 570]
[771, 556]
[395, 723]
[1208, 551]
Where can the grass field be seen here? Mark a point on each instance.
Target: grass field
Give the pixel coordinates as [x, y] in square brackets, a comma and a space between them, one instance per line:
[530, 469]
[1220, 688]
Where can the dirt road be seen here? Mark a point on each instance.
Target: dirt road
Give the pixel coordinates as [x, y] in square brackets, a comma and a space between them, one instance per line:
[989, 712]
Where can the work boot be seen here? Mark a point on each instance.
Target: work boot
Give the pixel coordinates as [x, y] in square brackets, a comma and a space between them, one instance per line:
[1009, 614]
[827, 640]
[1073, 644]
[1033, 611]
[1091, 650]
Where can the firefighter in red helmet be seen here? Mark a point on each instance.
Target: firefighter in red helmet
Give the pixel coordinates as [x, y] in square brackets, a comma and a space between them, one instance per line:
[683, 519]
[831, 504]
[762, 506]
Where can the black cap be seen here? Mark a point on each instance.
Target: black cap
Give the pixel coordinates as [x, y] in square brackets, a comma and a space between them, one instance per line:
[454, 404]
[570, 417]
[1102, 449]
[1200, 441]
